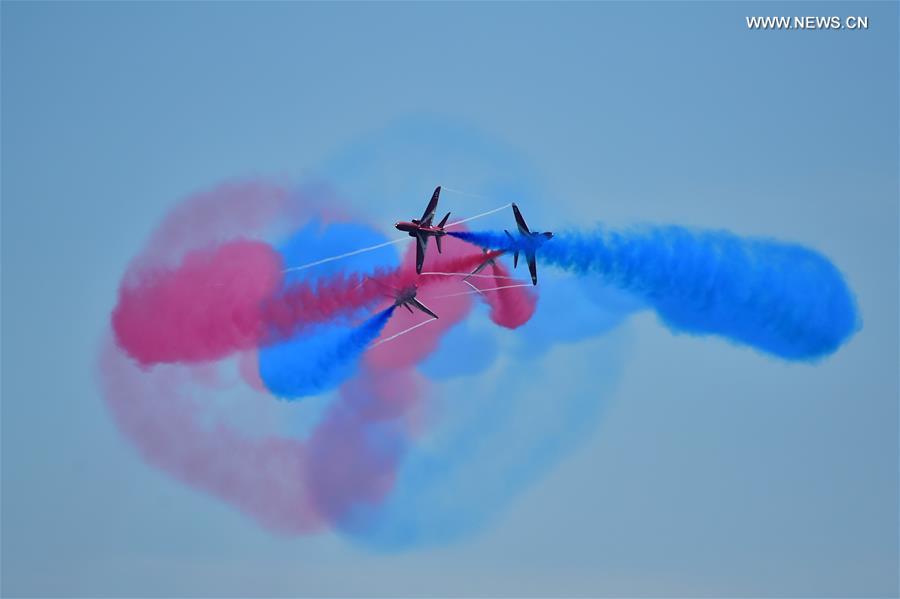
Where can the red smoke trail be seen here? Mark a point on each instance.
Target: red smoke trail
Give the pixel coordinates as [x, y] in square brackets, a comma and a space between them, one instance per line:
[287, 485]
[192, 275]
[226, 299]
[203, 310]
[191, 294]
[158, 410]
[510, 308]
[409, 349]
[357, 450]
[354, 453]
[231, 210]
[204, 288]
[195, 294]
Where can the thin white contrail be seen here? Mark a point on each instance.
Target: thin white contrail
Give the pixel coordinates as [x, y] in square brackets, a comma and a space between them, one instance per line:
[467, 275]
[385, 244]
[403, 332]
[465, 220]
[347, 255]
[481, 290]
[477, 290]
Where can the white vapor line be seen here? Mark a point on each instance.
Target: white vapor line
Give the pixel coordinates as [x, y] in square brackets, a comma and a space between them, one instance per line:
[481, 290]
[386, 243]
[467, 275]
[347, 255]
[477, 290]
[403, 332]
[465, 220]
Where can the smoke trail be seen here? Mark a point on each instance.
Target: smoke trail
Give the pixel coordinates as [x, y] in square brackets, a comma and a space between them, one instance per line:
[225, 299]
[237, 209]
[496, 436]
[289, 485]
[342, 295]
[383, 244]
[162, 413]
[500, 242]
[318, 360]
[338, 471]
[355, 451]
[205, 309]
[781, 298]
[510, 308]
[409, 349]
[318, 237]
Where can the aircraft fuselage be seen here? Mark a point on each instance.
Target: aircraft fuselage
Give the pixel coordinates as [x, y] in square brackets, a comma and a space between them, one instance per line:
[406, 298]
[412, 228]
[406, 294]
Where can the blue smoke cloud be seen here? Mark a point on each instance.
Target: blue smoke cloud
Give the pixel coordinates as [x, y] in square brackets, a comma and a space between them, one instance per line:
[784, 299]
[317, 240]
[495, 437]
[492, 433]
[465, 350]
[571, 310]
[317, 361]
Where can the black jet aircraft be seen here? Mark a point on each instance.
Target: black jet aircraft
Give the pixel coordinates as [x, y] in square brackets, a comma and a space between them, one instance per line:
[406, 297]
[533, 242]
[489, 260]
[422, 229]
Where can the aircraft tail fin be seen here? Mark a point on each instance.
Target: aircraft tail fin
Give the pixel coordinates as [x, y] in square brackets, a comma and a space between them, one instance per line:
[532, 266]
[443, 221]
[520, 221]
[437, 242]
[516, 251]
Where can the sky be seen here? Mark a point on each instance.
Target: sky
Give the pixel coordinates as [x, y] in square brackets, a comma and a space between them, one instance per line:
[708, 469]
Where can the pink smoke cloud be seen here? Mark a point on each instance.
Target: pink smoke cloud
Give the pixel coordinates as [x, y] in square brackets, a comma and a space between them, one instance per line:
[207, 285]
[205, 309]
[161, 414]
[511, 307]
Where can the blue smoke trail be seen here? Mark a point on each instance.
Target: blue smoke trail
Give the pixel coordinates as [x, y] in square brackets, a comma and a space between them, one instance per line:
[318, 359]
[315, 361]
[781, 298]
[496, 437]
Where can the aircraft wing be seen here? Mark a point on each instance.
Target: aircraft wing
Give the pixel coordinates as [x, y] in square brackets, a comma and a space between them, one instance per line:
[421, 246]
[520, 222]
[422, 307]
[532, 267]
[482, 266]
[428, 215]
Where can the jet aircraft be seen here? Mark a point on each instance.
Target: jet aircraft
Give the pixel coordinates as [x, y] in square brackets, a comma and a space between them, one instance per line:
[422, 229]
[489, 260]
[533, 241]
[406, 297]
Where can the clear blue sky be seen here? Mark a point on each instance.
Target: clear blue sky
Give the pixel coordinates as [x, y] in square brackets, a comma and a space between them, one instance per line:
[712, 470]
